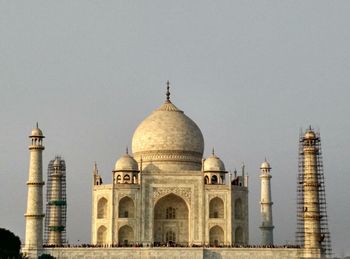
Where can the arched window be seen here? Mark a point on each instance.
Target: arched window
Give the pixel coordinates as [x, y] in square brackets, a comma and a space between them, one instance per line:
[216, 208]
[126, 178]
[101, 235]
[238, 209]
[126, 208]
[206, 180]
[239, 235]
[119, 178]
[102, 208]
[170, 213]
[214, 179]
[170, 237]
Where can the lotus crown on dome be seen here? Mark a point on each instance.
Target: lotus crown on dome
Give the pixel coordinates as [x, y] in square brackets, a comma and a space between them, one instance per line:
[126, 163]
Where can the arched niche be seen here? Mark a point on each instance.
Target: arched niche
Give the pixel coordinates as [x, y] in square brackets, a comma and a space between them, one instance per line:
[216, 236]
[171, 217]
[238, 209]
[214, 179]
[102, 205]
[126, 235]
[101, 235]
[126, 208]
[239, 235]
[216, 208]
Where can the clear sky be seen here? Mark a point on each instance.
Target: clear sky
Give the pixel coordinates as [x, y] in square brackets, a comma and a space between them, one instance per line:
[249, 73]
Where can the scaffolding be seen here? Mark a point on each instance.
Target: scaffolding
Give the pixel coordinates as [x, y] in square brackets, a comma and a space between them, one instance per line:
[56, 203]
[324, 239]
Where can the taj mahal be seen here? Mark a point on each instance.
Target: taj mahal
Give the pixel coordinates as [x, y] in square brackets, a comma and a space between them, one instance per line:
[165, 200]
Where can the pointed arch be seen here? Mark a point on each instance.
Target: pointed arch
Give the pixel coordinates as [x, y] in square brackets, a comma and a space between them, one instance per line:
[171, 216]
[126, 208]
[101, 235]
[119, 178]
[102, 205]
[216, 208]
[126, 235]
[126, 178]
[206, 180]
[214, 179]
[238, 209]
[239, 235]
[216, 236]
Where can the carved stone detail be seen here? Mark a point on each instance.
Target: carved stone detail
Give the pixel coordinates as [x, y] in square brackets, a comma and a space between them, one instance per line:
[122, 195]
[183, 192]
[212, 196]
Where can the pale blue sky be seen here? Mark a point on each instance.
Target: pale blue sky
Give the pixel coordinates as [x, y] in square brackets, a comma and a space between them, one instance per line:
[249, 73]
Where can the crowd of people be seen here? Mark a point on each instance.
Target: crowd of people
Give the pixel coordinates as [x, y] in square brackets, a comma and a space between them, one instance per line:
[169, 244]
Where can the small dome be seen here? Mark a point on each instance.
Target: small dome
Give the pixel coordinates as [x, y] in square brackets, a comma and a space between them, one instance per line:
[310, 134]
[265, 165]
[126, 163]
[36, 132]
[213, 163]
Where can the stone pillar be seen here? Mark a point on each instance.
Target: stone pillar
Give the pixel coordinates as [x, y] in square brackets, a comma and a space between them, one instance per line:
[266, 205]
[311, 199]
[34, 214]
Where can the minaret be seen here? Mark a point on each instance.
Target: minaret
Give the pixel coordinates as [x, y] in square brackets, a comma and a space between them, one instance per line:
[266, 205]
[34, 214]
[311, 198]
[56, 208]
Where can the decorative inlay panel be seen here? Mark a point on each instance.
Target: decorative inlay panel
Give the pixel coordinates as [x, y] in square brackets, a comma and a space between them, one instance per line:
[183, 192]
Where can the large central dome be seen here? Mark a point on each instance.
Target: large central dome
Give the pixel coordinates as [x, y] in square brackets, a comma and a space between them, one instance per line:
[168, 139]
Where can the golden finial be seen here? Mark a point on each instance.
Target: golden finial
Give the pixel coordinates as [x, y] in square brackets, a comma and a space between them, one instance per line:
[167, 90]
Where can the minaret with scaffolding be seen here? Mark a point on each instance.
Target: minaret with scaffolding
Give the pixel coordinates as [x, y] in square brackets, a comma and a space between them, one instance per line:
[56, 206]
[312, 224]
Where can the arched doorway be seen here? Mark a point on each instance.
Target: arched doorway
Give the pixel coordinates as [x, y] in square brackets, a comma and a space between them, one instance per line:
[126, 235]
[216, 236]
[171, 220]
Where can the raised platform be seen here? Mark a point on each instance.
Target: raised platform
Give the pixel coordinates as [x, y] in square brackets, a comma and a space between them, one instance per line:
[173, 253]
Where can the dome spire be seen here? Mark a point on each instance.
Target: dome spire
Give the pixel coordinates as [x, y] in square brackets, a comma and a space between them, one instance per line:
[167, 91]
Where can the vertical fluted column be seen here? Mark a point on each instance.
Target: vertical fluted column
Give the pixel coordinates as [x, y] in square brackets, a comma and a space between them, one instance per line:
[34, 214]
[266, 205]
[311, 199]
